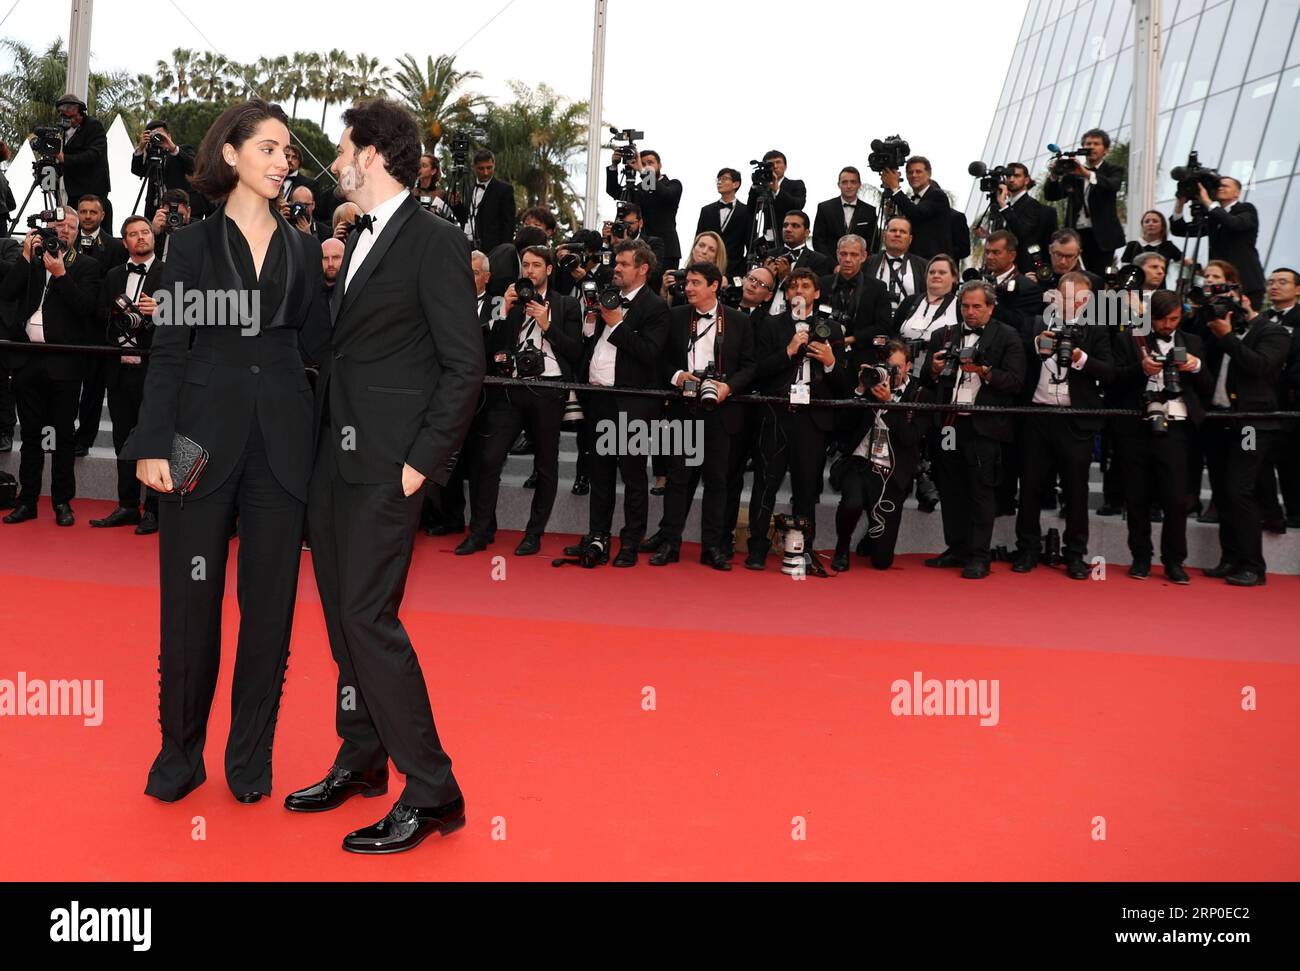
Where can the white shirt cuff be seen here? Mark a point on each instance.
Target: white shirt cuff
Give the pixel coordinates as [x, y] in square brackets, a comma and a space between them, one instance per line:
[1083, 359]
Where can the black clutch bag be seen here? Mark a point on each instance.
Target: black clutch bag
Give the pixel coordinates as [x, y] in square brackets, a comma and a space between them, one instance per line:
[187, 463]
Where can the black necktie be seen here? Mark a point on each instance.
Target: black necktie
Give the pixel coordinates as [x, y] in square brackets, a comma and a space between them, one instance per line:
[366, 222]
[136, 268]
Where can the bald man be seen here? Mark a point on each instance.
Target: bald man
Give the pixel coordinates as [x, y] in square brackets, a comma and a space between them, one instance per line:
[303, 202]
[331, 254]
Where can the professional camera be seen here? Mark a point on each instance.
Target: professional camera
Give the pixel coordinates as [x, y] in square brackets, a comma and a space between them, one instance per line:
[153, 147]
[627, 153]
[795, 529]
[593, 552]
[734, 295]
[529, 362]
[47, 239]
[296, 211]
[1169, 372]
[1042, 267]
[47, 142]
[990, 178]
[763, 173]
[1192, 176]
[1127, 277]
[677, 286]
[870, 375]
[125, 315]
[1060, 344]
[525, 291]
[611, 298]
[694, 387]
[1061, 163]
[888, 153]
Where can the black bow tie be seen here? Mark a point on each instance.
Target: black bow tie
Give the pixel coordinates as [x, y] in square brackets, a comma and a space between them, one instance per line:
[967, 331]
[366, 222]
[849, 205]
[136, 268]
[700, 316]
[481, 185]
[725, 205]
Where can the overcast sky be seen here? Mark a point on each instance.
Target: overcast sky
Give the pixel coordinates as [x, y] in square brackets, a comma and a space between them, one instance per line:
[711, 84]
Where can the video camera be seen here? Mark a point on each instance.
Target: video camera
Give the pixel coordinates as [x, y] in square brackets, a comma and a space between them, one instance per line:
[990, 178]
[47, 142]
[47, 239]
[763, 172]
[888, 153]
[1061, 163]
[1193, 176]
[1219, 300]
[626, 153]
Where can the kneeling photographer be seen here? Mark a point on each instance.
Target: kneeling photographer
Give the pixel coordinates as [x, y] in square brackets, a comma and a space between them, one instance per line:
[540, 339]
[1160, 374]
[882, 459]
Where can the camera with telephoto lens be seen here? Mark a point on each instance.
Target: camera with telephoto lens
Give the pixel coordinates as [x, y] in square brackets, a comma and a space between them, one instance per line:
[125, 316]
[1169, 363]
[819, 329]
[1042, 267]
[1192, 176]
[611, 298]
[734, 295]
[1060, 344]
[525, 291]
[593, 551]
[888, 153]
[870, 375]
[695, 388]
[990, 178]
[529, 362]
[47, 236]
[1062, 163]
[677, 286]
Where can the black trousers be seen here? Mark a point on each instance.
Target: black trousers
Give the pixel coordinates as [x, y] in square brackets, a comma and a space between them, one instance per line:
[866, 490]
[1052, 443]
[1113, 476]
[715, 468]
[125, 392]
[445, 505]
[361, 541]
[47, 412]
[1095, 257]
[91, 407]
[194, 541]
[1155, 469]
[968, 476]
[1237, 468]
[8, 406]
[604, 406]
[1287, 460]
[540, 410]
[743, 448]
[787, 441]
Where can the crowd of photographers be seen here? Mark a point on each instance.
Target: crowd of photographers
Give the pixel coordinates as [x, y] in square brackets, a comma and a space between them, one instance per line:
[760, 330]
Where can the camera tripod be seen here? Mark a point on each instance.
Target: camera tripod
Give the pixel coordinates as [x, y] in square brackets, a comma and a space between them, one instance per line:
[762, 235]
[151, 180]
[1187, 267]
[46, 173]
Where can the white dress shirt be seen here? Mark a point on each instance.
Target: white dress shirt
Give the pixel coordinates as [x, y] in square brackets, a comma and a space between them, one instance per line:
[906, 282]
[382, 214]
[700, 355]
[605, 355]
[530, 332]
[134, 286]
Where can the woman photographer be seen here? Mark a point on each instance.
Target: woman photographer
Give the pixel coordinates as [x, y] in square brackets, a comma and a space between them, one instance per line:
[707, 248]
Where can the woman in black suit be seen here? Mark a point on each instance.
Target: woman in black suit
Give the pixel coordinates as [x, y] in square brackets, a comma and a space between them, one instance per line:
[1155, 239]
[232, 381]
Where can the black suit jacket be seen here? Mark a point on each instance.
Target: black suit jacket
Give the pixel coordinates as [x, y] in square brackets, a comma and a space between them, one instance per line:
[1085, 383]
[872, 315]
[563, 337]
[494, 220]
[914, 263]
[176, 172]
[1232, 237]
[792, 195]
[809, 258]
[113, 285]
[1102, 199]
[205, 382]
[1020, 302]
[66, 312]
[658, 210]
[829, 225]
[85, 162]
[639, 340]
[1000, 347]
[1128, 381]
[931, 220]
[733, 354]
[774, 370]
[1254, 376]
[108, 250]
[407, 351]
[1032, 223]
[906, 430]
[1136, 247]
[735, 236]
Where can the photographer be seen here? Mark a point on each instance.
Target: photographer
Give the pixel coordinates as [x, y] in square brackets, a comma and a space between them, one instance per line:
[1065, 254]
[883, 456]
[540, 339]
[489, 214]
[709, 356]
[1231, 226]
[175, 163]
[426, 190]
[1020, 300]
[108, 251]
[845, 215]
[93, 239]
[631, 229]
[787, 194]
[576, 259]
[343, 219]
[794, 233]
[1090, 189]
[1283, 288]
[84, 155]
[922, 315]
[926, 207]
[129, 326]
[51, 289]
[173, 212]
[1161, 374]
[658, 198]
[1153, 266]
[1021, 214]
[707, 248]
[731, 220]
[981, 362]
[1155, 239]
[902, 272]
[860, 303]
[300, 211]
[799, 356]
[1245, 354]
[1049, 443]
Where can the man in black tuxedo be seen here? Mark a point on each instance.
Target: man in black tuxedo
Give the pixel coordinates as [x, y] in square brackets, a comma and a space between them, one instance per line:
[634, 231]
[1090, 189]
[1231, 227]
[540, 340]
[1153, 450]
[792, 361]
[135, 279]
[53, 298]
[787, 194]
[658, 198]
[1020, 213]
[704, 338]
[489, 214]
[924, 204]
[845, 215]
[1020, 299]
[731, 220]
[1246, 354]
[801, 255]
[174, 166]
[10, 250]
[84, 155]
[174, 207]
[94, 240]
[395, 398]
[896, 266]
[1048, 442]
[295, 177]
[860, 302]
[305, 221]
[968, 447]
[1284, 309]
[1065, 255]
[625, 351]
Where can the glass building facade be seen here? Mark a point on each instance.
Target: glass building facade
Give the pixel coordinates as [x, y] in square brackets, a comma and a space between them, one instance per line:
[1229, 88]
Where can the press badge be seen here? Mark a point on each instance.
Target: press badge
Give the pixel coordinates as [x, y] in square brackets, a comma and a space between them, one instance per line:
[800, 394]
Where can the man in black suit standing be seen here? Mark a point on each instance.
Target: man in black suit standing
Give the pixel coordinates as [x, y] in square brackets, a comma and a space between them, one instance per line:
[53, 297]
[1284, 309]
[1232, 227]
[173, 167]
[1020, 299]
[1090, 189]
[787, 194]
[658, 198]
[968, 447]
[860, 302]
[395, 397]
[93, 239]
[798, 251]
[731, 220]
[489, 214]
[1020, 213]
[84, 155]
[924, 204]
[844, 215]
[896, 266]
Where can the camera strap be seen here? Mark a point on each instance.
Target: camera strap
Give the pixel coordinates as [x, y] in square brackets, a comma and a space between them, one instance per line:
[719, 319]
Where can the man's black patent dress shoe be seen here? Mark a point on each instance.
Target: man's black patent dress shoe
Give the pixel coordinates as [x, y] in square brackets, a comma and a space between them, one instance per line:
[63, 515]
[336, 788]
[121, 516]
[665, 554]
[148, 524]
[406, 827]
[21, 514]
[716, 558]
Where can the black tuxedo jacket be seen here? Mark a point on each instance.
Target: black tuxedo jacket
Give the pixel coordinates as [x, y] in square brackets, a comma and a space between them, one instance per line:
[658, 210]
[1085, 383]
[113, 285]
[1232, 237]
[914, 263]
[931, 219]
[563, 337]
[1003, 349]
[176, 172]
[1101, 203]
[1020, 302]
[735, 236]
[872, 315]
[829, 225]
[733, 350]
[639, 340]
[792, 195]
[1129, 382]
[205, 381]
[819, 263]
[494, 220]
[1254, 376]
[66, 313]
[1032, 223]
[774, 370]
[1291, 378]
[407, 351]
[85, 162]
[108, 250]
[906, 429]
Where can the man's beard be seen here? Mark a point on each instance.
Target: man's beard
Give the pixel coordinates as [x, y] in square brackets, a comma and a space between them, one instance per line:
[350, 180]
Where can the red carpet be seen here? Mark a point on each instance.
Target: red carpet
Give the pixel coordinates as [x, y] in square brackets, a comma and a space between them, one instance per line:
[1117, 699]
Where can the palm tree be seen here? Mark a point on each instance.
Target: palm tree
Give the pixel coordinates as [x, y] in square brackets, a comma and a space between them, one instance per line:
[246, 81]
[208, 76]
[146, 95]
[307, 78]
[277, 77]
[431, 94]
[369, 78]
[39, 78]
[175, 77]
[335, 80]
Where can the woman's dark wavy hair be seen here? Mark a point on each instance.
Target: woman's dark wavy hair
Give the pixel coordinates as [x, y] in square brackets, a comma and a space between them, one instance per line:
[391, 129]
[212, 175]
